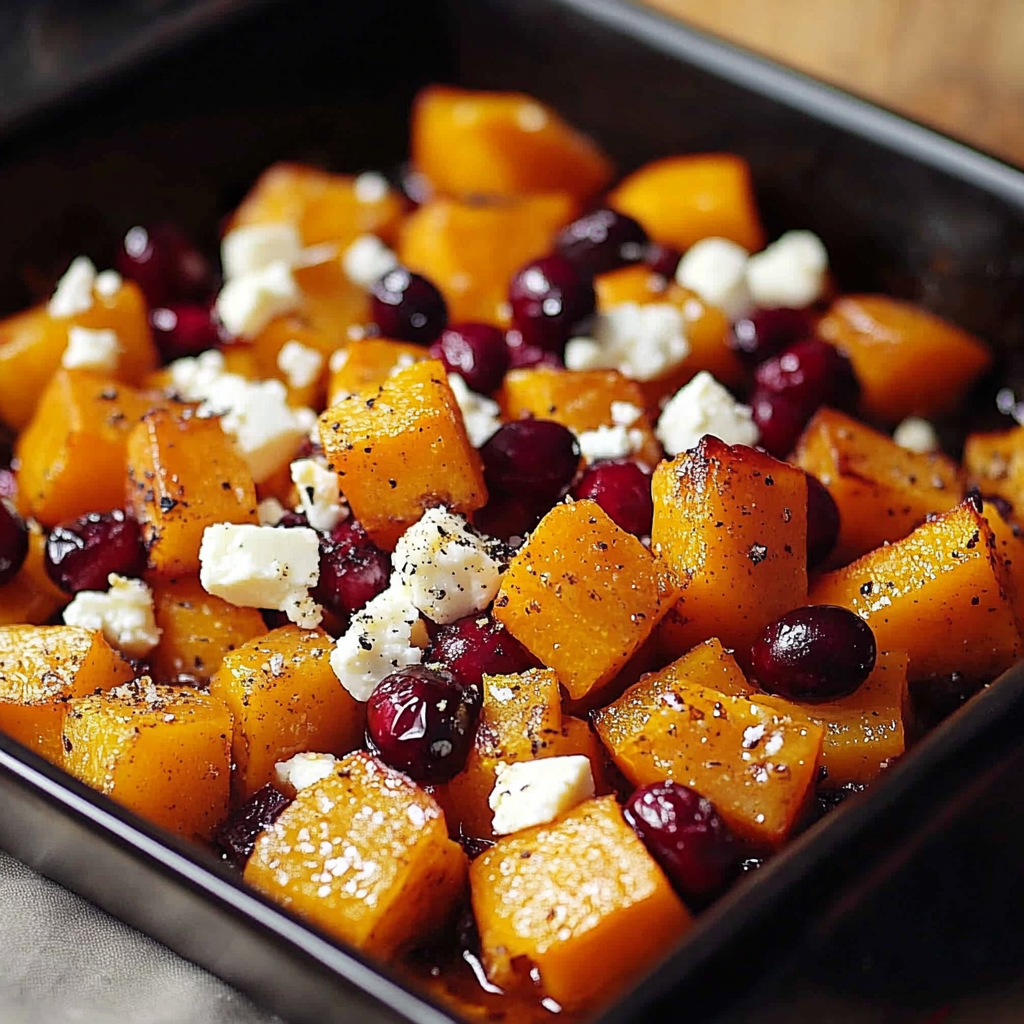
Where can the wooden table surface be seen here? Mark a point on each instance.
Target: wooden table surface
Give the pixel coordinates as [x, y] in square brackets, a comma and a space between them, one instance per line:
[957, 65]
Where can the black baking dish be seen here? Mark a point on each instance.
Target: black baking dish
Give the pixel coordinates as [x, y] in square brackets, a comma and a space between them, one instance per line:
[901, 906]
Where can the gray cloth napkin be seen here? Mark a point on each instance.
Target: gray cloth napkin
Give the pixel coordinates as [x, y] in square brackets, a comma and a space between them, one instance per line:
[64, 960]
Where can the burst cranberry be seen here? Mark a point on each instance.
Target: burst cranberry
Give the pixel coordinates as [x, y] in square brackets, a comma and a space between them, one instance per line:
[814, 654]
[623, 490]
[165, 264]
[551, 300]
[809, 373]
[685, 835]
[477, 646]
[522, 355]
[602, 240]
[82, 553]
[476, 352]
[536, 458]
[663, 260]
[236, 837]
[408, 307]
[422, 721]
[822, 522]
[779, 420]
[766, 332]
[13, 542]
[353, 570]
[183, 329]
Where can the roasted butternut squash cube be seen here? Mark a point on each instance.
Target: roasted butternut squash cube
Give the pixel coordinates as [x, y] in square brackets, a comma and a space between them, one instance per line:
[364, 855]
[402, 448]
[582, 595]
[1009, 551]
[994, 463]
[266, 349]
[635, 282]
[908, 361]
[286, 700]
[369, 362]
[732, 523]
[882, 491]
[161, 751]
[184, 474]
[41, 668]
[509, 144]
[31, 597]
[939, 594]
[581, 900]
[682, 199]
[332, 304]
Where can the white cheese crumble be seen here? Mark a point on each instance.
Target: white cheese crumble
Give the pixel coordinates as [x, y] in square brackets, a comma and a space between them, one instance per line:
[91, 350]
[262, 567]
[528, 793]
[300, 364]
[625, 414]
[108, 283]
[791, 272]
[304, 770]
[73, 293]
[377, 642]
[704, 407]
[319, 497]
[253, 247]
[270, 512]
[367, 260]
[480, 414]
[246, 304]
[370, 187]
[615, 442]
[916, 435]
[715, 269]
[124, 613]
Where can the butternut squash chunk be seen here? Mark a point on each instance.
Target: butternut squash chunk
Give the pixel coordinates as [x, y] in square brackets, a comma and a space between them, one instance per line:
[266, 350]
[31, 597]
[581, 899]
[364, 855]
[332, 304]
[994, 463]
[635, 282]
[369, 362]
[1009, 551]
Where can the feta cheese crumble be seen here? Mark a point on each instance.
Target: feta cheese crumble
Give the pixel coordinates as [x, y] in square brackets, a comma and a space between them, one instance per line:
[304, 770]
[614, 442]
[300, 364]
[715, 269]
[246, 304]
[370, 187]
[73, 293]
[124, 613]
[270, 512]
[480, 414]
[108, 283]
[254, 247]
[704, 407]
[319, 496]
[367, 260]
[528, 793]
[91, 350]
[263, 567]
[791, 272]
[916, 435]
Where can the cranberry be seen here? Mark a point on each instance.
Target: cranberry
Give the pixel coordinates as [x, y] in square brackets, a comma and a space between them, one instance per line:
[508, 518]
[476, 352]
[623, 490]
[183, 329]
[550, 300]
[353, 570]
[685, 835]
[421, 721]
[165, 264]
[522, 355]
[602, 240]
[537, 458]
[809, 373]
[290, 519]
[476, 646]
[663, 260]
[407, 307]
[236, 836]
[8, 484]
[82, 553]
[766, 332]
[13, 542]
[779, 419]
[814, 654]
[822, 522]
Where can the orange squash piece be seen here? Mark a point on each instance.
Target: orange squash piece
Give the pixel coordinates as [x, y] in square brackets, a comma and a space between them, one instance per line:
[369, 362]
[161, 751]
[331, 304]
[579, 899]
[31, 597]
[908, 361]
[633, 283]
[364, 855]
[994, 463]
[682, 199]
[267, 346]
[1009, 552]
[508, 144]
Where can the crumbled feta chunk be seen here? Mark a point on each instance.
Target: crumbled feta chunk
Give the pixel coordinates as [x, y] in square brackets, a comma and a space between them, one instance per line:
[528, 793]
[270, 512]
[304, 770]
[377, 642]
[262, 567]
[300, 364]
[625, 414]
[715, 269]
[615, 442]
[73, 293]
[339, 357]
[790, 272]
[367, 260]
[480, 414]
[916, 435]
[253, 247]
[446, 570]
[370, 187]
[246, 304]
[193, 376]
[704, 407]
[319, 497]
[108, 283]
[91, 350]
[124, 613]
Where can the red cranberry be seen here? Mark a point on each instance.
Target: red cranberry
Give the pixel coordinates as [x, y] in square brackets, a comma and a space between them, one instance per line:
[550, 301]
[291, 519]
[766, 332]
[809, 373]
[779, 419]
[685, 835]
[82, 553]
[476, 352]
[822, 522]
[408, 307]
[422, 721]
[236, 836]
[353, 570]
[602, 240]
[8, 484]
[623, 490]
[183, 329]
[508, 518]
[476, 646]
[165, 264]
[663, 260]
[537, 458]
[522, 355]
[814, 654]
[13, 542]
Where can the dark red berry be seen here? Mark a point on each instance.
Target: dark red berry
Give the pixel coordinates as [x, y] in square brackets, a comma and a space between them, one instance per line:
[165, 264]
[236, 837]
[476, 352]
[551, 300]
[534, 458]
[291, 519]
[522, 355]
[623, 490]
[422, 721]
[814, 654]
[508, 518]
[407, 307]
[779, 420]
[476, 646]
[353, 570]
[766, 332]
[685, 835]
[13, 542]
[82, 553]
[809, 373]
[183, 329]
[663, 260]
[822, 522]
[8, 484]
[602, 240]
